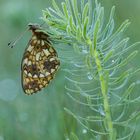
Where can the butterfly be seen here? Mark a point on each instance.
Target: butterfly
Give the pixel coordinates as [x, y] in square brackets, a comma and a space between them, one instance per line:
[39, 63]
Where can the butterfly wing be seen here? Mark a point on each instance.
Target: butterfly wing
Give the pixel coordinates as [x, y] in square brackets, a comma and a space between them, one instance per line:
[39, 65]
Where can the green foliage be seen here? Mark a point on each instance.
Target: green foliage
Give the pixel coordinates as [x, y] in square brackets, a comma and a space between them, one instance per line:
[97, 77]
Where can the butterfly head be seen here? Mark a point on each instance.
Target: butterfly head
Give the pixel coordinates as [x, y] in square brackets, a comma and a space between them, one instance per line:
[34, 26]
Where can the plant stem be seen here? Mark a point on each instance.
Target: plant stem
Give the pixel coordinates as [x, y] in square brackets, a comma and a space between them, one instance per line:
[104, 90]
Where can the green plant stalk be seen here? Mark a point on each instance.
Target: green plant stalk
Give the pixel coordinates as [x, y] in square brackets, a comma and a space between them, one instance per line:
[104, 90]
[103, 81]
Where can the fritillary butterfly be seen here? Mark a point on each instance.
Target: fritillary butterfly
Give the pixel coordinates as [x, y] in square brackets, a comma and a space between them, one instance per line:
[39, 63]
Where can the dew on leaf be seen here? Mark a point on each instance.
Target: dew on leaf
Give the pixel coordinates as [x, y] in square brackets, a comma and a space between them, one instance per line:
[89, 75]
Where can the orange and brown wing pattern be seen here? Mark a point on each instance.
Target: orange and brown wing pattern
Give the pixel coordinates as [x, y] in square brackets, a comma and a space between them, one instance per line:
[39, 64]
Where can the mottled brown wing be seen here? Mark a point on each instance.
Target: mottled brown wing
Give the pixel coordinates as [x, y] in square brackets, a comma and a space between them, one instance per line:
[39, 65]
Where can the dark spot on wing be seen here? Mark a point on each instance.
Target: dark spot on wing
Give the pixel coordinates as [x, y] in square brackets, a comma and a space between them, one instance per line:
[33, 69]
[49, 65]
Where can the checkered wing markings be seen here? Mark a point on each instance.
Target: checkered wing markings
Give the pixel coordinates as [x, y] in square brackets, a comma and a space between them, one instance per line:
[39, 65]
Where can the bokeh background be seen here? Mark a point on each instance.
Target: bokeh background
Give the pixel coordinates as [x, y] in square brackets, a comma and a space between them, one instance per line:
[42, 115]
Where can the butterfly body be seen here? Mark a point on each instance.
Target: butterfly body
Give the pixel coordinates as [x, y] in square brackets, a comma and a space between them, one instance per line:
[40, 61]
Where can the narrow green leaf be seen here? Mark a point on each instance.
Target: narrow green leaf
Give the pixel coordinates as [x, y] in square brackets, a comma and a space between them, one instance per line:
[88, 62]
[57, 8]
[68, 29]
[111, 14]
[91, 13]
[46, 13]
[128, 91]
[136, 71]
[85, 12]
[65, 10]
[82, 5]
[110, 21]
[121, 29]
[76, 13]
[85, 28]
[73, 136]
[119, 79]
[54, 12]
[132, 55]
[71, 23]
[108, 55]
[78, 33]
[101, 18]
[69, 112]
[68, 4]
[125, 61]
[95, 33]
[125, 50]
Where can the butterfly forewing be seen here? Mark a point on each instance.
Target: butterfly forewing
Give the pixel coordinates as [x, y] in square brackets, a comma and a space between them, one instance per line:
[39, 64]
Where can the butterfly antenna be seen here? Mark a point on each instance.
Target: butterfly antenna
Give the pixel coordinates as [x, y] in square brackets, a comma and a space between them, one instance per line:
[13, 43]
[42, 24]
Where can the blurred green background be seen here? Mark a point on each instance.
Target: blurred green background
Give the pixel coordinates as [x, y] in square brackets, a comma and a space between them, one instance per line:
[42, 115]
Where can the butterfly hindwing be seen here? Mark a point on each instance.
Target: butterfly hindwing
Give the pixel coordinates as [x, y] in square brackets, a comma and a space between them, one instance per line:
[39, 64]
